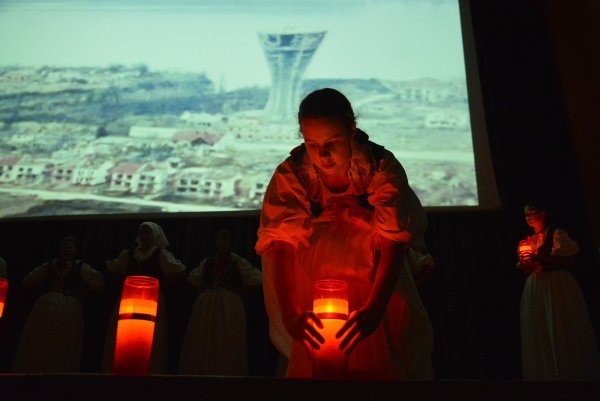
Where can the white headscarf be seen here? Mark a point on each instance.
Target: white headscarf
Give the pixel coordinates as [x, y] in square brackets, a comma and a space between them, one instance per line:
[160, 240]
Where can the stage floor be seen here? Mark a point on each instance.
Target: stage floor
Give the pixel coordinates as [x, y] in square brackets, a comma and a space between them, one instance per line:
[92, 387]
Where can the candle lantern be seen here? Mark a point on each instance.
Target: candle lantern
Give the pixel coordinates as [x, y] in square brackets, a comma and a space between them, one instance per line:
[524, 247]
[135, 328]
[3, 291]
[330, 304]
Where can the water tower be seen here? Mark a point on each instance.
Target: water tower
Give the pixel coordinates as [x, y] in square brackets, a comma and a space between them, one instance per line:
[288, 54]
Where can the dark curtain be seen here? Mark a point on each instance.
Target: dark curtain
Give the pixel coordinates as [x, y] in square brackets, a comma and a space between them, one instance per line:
[472, 295]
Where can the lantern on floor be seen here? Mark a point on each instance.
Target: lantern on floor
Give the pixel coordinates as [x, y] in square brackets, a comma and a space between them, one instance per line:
[135, 328]
[3, 291]
[330, 304]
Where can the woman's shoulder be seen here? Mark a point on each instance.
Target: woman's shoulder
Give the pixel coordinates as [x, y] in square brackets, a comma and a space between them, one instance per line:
[562, 243]
[293, 163]
[374, 165]
[371, 154]
[298, 168]
[558, 233]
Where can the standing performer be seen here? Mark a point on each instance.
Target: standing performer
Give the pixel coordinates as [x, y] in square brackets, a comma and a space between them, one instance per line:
[557, 338]
[52, 338]
[150, 258]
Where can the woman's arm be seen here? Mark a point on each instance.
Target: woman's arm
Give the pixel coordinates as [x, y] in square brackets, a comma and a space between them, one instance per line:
[117, 267]
[36, 277]
[195, 277]
[363, 322]
[300, 324]
[172, 267]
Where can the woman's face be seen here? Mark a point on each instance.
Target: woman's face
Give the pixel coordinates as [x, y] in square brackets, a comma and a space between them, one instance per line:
[534, 218]
[223, 244]
[328, 143]
[67, 249]
[146, 236]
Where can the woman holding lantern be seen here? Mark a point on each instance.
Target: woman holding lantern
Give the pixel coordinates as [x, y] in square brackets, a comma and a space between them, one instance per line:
[340, 207]
[149, 257]
[557, 338]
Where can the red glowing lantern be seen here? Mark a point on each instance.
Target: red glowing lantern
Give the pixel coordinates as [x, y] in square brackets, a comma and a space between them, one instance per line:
[330, 304]
[135, 328]
[3, 291]
[525, 247]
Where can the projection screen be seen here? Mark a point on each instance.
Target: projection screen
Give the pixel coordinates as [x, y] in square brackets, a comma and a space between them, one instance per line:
[137, 106]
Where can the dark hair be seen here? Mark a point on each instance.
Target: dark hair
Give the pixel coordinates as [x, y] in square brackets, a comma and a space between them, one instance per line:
[69, 238]
[536, 205]
[327, 103]
[223, 233]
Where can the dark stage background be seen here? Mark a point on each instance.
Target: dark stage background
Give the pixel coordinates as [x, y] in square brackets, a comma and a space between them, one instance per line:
[535, 61]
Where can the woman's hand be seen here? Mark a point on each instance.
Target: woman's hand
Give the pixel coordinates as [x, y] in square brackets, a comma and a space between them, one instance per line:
[303, 327]
[360, 324]
[363, 322]
[528, 261]
[526, 258]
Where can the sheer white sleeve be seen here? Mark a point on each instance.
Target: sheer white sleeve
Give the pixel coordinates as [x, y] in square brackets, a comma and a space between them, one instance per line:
[37, 276]
[195, 276]
[169, 265]
[118, 265]
[250, 274]
[563, 245]
[93, 278]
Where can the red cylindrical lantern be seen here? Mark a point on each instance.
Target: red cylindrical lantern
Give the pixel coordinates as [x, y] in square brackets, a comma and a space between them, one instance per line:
[135, 328]
[330, 304]
[3, 291]
[525, 247]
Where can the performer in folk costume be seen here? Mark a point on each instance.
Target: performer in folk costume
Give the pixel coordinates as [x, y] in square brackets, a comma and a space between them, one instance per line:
[215, 339]
[149, 257]
[340, 207]
[52, 338]
[557, 338]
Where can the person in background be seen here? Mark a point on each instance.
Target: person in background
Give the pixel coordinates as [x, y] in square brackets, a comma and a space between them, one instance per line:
[557, 338]
[3, 268]
[52, 338]
[149, 257]
[340, 207]
[215, 339]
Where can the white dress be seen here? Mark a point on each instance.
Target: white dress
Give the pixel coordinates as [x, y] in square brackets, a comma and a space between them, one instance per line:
[557, 338]
[334, 235]
[215, 339]
[52, 338]
[170, 267]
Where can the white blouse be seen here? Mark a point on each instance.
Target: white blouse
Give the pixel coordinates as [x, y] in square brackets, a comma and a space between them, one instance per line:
[169, 265]
[286, 213]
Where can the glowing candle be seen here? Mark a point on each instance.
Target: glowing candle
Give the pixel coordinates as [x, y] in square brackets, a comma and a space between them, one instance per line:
[525, 247]
[135, 328]
[330, 304]
[3, 291]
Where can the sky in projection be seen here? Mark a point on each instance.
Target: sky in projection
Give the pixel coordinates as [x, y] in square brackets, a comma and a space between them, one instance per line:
[413, 38]
[164, 106]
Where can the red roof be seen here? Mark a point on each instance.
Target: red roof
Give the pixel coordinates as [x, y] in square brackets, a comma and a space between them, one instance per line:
[10, 160]
[194, 136]
[126, 168]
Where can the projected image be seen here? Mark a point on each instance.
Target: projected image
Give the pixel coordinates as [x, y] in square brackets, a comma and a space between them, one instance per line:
[187, 106]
